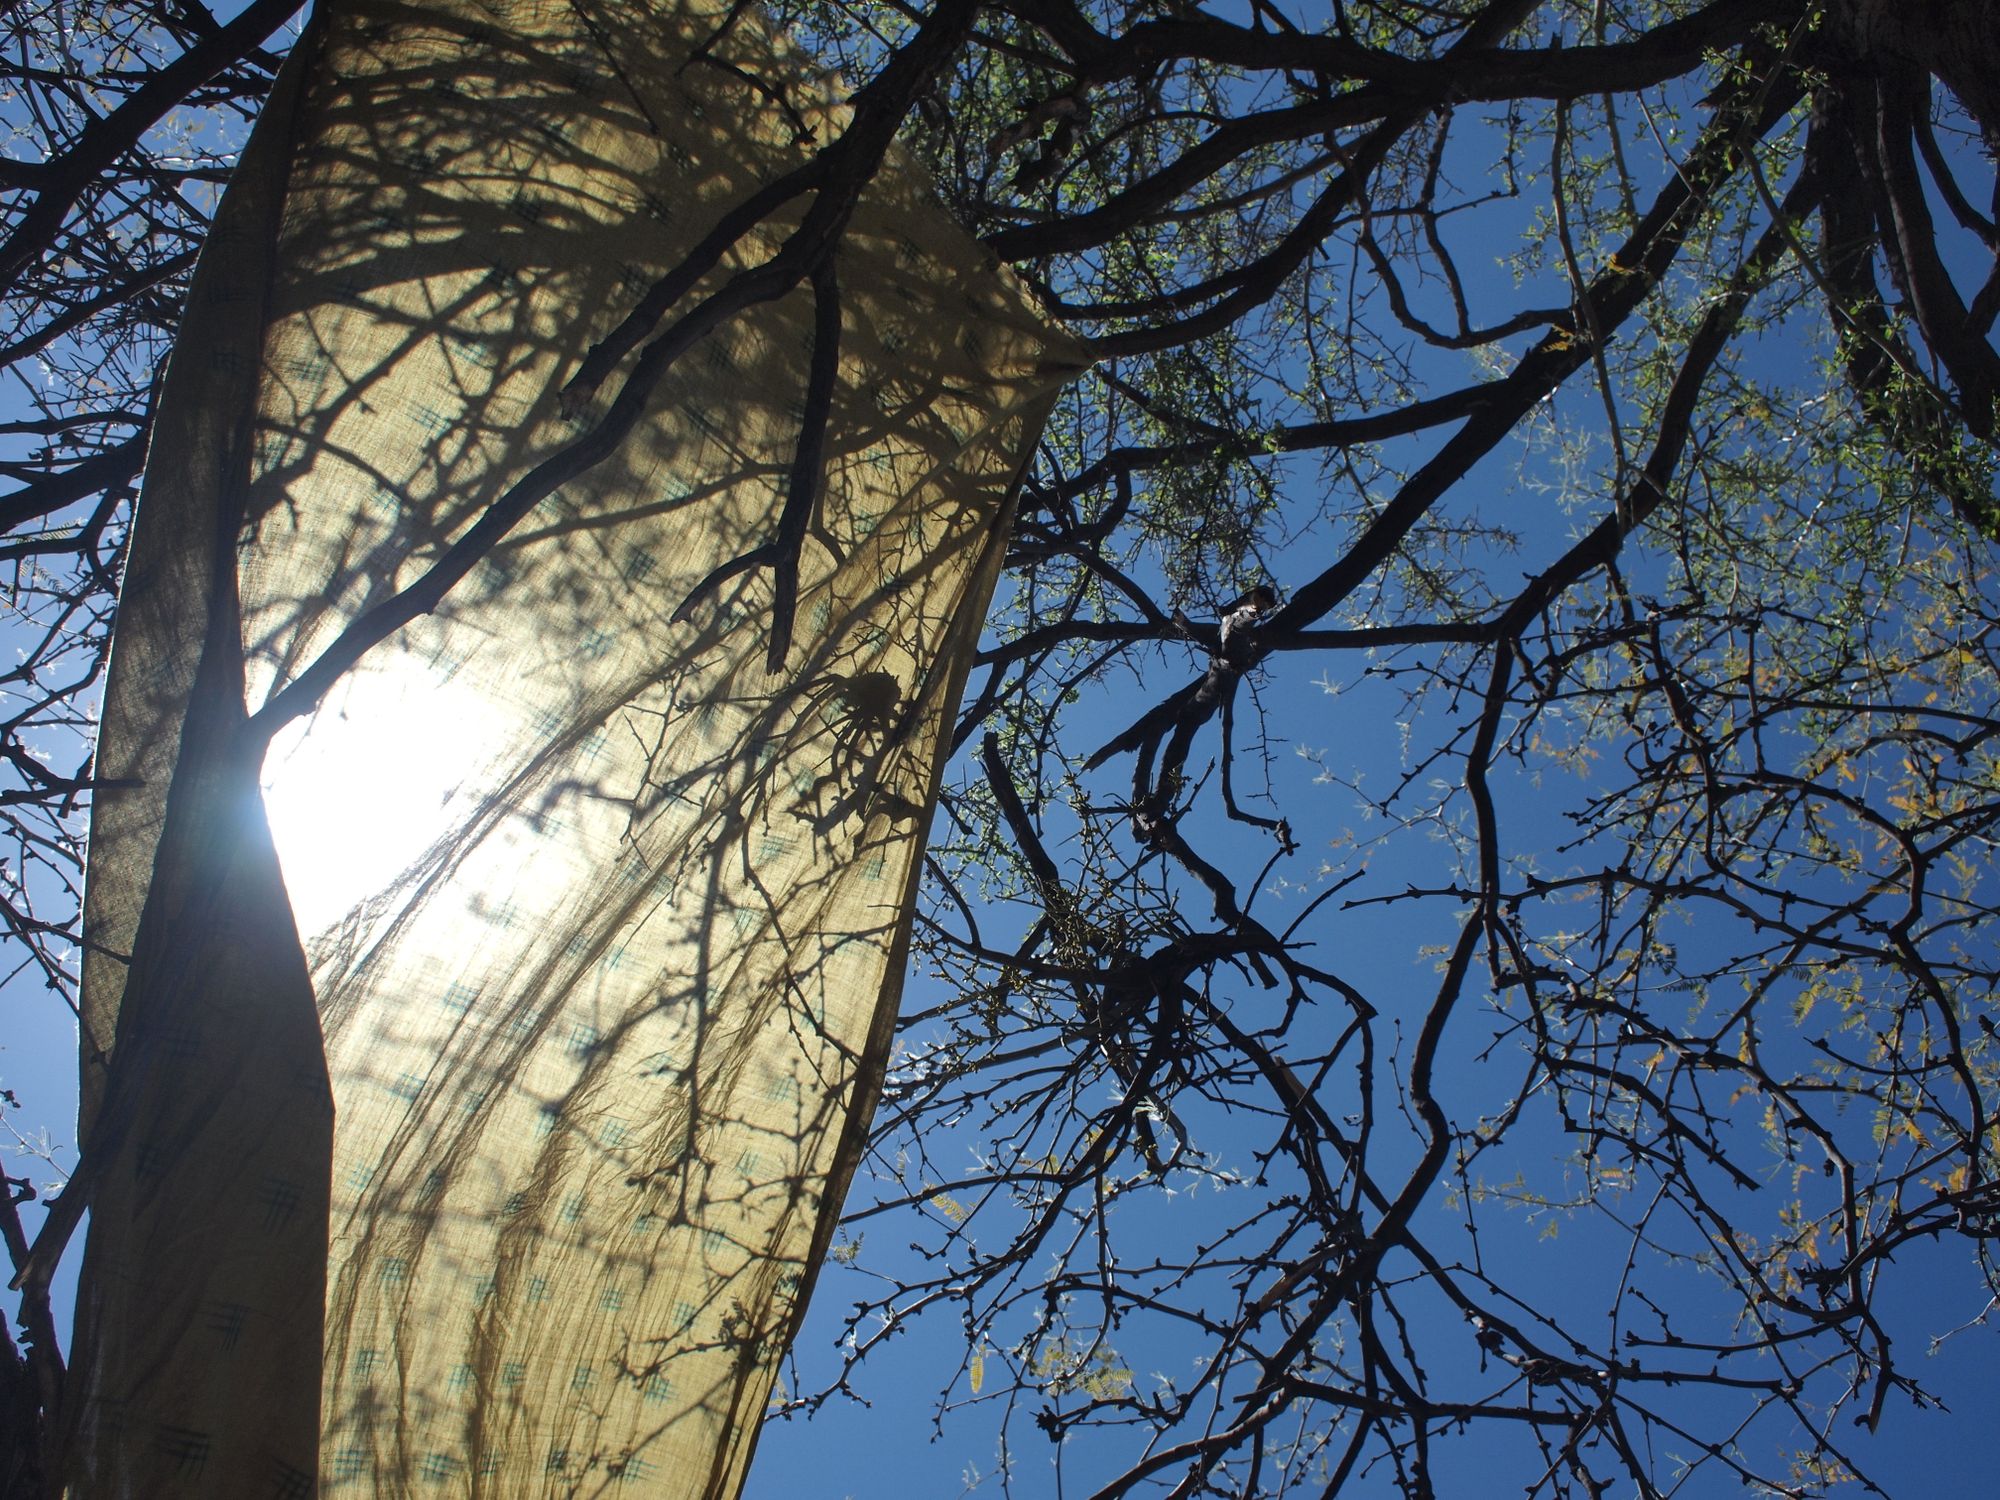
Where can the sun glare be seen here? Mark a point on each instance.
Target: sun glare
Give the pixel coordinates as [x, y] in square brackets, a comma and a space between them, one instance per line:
[360, 790]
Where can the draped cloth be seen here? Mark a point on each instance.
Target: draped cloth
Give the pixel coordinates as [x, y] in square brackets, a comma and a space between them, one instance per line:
[508, 1031]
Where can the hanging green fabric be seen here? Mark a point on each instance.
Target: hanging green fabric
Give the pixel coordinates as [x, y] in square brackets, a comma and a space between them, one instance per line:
[544, 1070]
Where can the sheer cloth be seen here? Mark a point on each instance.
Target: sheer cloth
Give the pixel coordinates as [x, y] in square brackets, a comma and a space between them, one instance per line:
[533, 1035]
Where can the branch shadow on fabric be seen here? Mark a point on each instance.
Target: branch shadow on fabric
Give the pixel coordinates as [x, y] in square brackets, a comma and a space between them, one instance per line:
[604, 920]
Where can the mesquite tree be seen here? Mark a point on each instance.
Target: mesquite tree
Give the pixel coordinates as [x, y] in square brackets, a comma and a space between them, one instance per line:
[1488, 726]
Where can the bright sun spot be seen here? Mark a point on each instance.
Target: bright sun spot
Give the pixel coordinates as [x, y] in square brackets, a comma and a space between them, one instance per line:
[360, 790]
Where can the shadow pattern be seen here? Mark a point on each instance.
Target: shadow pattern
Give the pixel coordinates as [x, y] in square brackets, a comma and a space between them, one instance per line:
[603, 1006]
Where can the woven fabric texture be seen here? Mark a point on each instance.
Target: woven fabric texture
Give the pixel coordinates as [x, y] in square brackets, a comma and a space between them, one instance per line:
[601, 920]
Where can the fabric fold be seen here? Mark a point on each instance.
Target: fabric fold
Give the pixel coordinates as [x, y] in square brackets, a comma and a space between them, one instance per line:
[604, 921]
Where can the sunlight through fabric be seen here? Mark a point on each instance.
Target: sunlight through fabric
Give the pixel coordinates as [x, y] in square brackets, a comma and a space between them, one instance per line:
[596, 922]
[359, 791]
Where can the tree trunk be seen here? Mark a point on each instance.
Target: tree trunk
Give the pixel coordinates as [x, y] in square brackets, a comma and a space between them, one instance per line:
[1956, 41]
